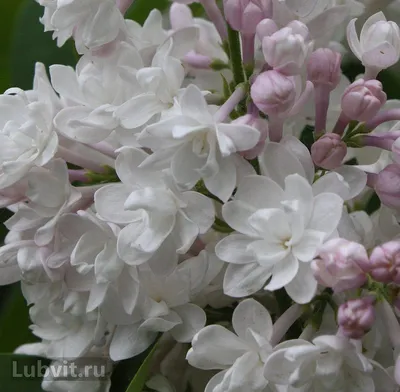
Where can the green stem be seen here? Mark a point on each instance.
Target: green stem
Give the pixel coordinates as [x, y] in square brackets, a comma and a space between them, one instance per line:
[235, 56]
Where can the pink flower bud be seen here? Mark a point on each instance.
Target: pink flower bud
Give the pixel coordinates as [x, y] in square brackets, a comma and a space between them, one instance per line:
[287, 50]
[244, 15]
[323, 68]
[384, 263]
[266, 28]
[362, 100]
[356, 317]
[387, 186]
[180, 16]
[273, 93]
[339, 265]
[329, 151]
[261, 125]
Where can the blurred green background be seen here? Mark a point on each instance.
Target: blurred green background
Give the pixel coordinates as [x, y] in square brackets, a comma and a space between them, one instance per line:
[22, 43]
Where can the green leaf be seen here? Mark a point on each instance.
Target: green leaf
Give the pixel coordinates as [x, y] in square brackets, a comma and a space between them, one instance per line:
[142, 374]
[8, 11]
[21, 372]
[31, 44]
[307, 136]
[14, 320]
[140, 9]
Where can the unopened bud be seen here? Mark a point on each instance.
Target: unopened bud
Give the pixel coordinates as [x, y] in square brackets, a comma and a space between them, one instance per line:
[329, 151]
[266, 28]
[356, 317]
[339, 265]
[387, 186]
[287, 50]
[180, 16]
[244, 15]
[273, 93]
[384, 264]
[323, 68]
[362, 100]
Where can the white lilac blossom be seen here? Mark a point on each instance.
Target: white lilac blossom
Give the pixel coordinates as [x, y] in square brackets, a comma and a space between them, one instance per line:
[241, 354]
[85, 20]
[188, 186]
[379, 44]
[279, 232]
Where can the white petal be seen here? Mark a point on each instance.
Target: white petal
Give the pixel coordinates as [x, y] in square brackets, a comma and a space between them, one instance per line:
[304, 286]
[110, 200]
[296, 147]
[199, 209]
[149, 237]
[165, 259]
[382, 56]
[267, 252]
[235, 137]
[185, 233]
[244, 280]
[64, 81]
[237, 214]
[193, 320]
[138, 110]
[149, 200]
[353, 39]
[326, 213]
[361, 382]
[187, 173]
[215, 381]
[332, 183]
[277, 162]
[251, 314]
[222, 183]
[194, 105]
[214, 347]
[82, 124]
[125, 244]
[259, 192]
[244, 375]
[128, 170]
[233, 249]
[128, 342]
[161, 323]
[128, 290]
[377, 17]
[87, 249]
[184, 40]
[354, 177]
[279, 368]
[283, 273]
[271, 224]
[307, 248]
[297, 189]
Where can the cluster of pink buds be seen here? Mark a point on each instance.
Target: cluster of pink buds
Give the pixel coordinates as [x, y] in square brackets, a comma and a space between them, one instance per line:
[356, 317]
[344, 266]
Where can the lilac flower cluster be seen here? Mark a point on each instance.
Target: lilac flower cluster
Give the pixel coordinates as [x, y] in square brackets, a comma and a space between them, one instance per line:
[191, 187]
